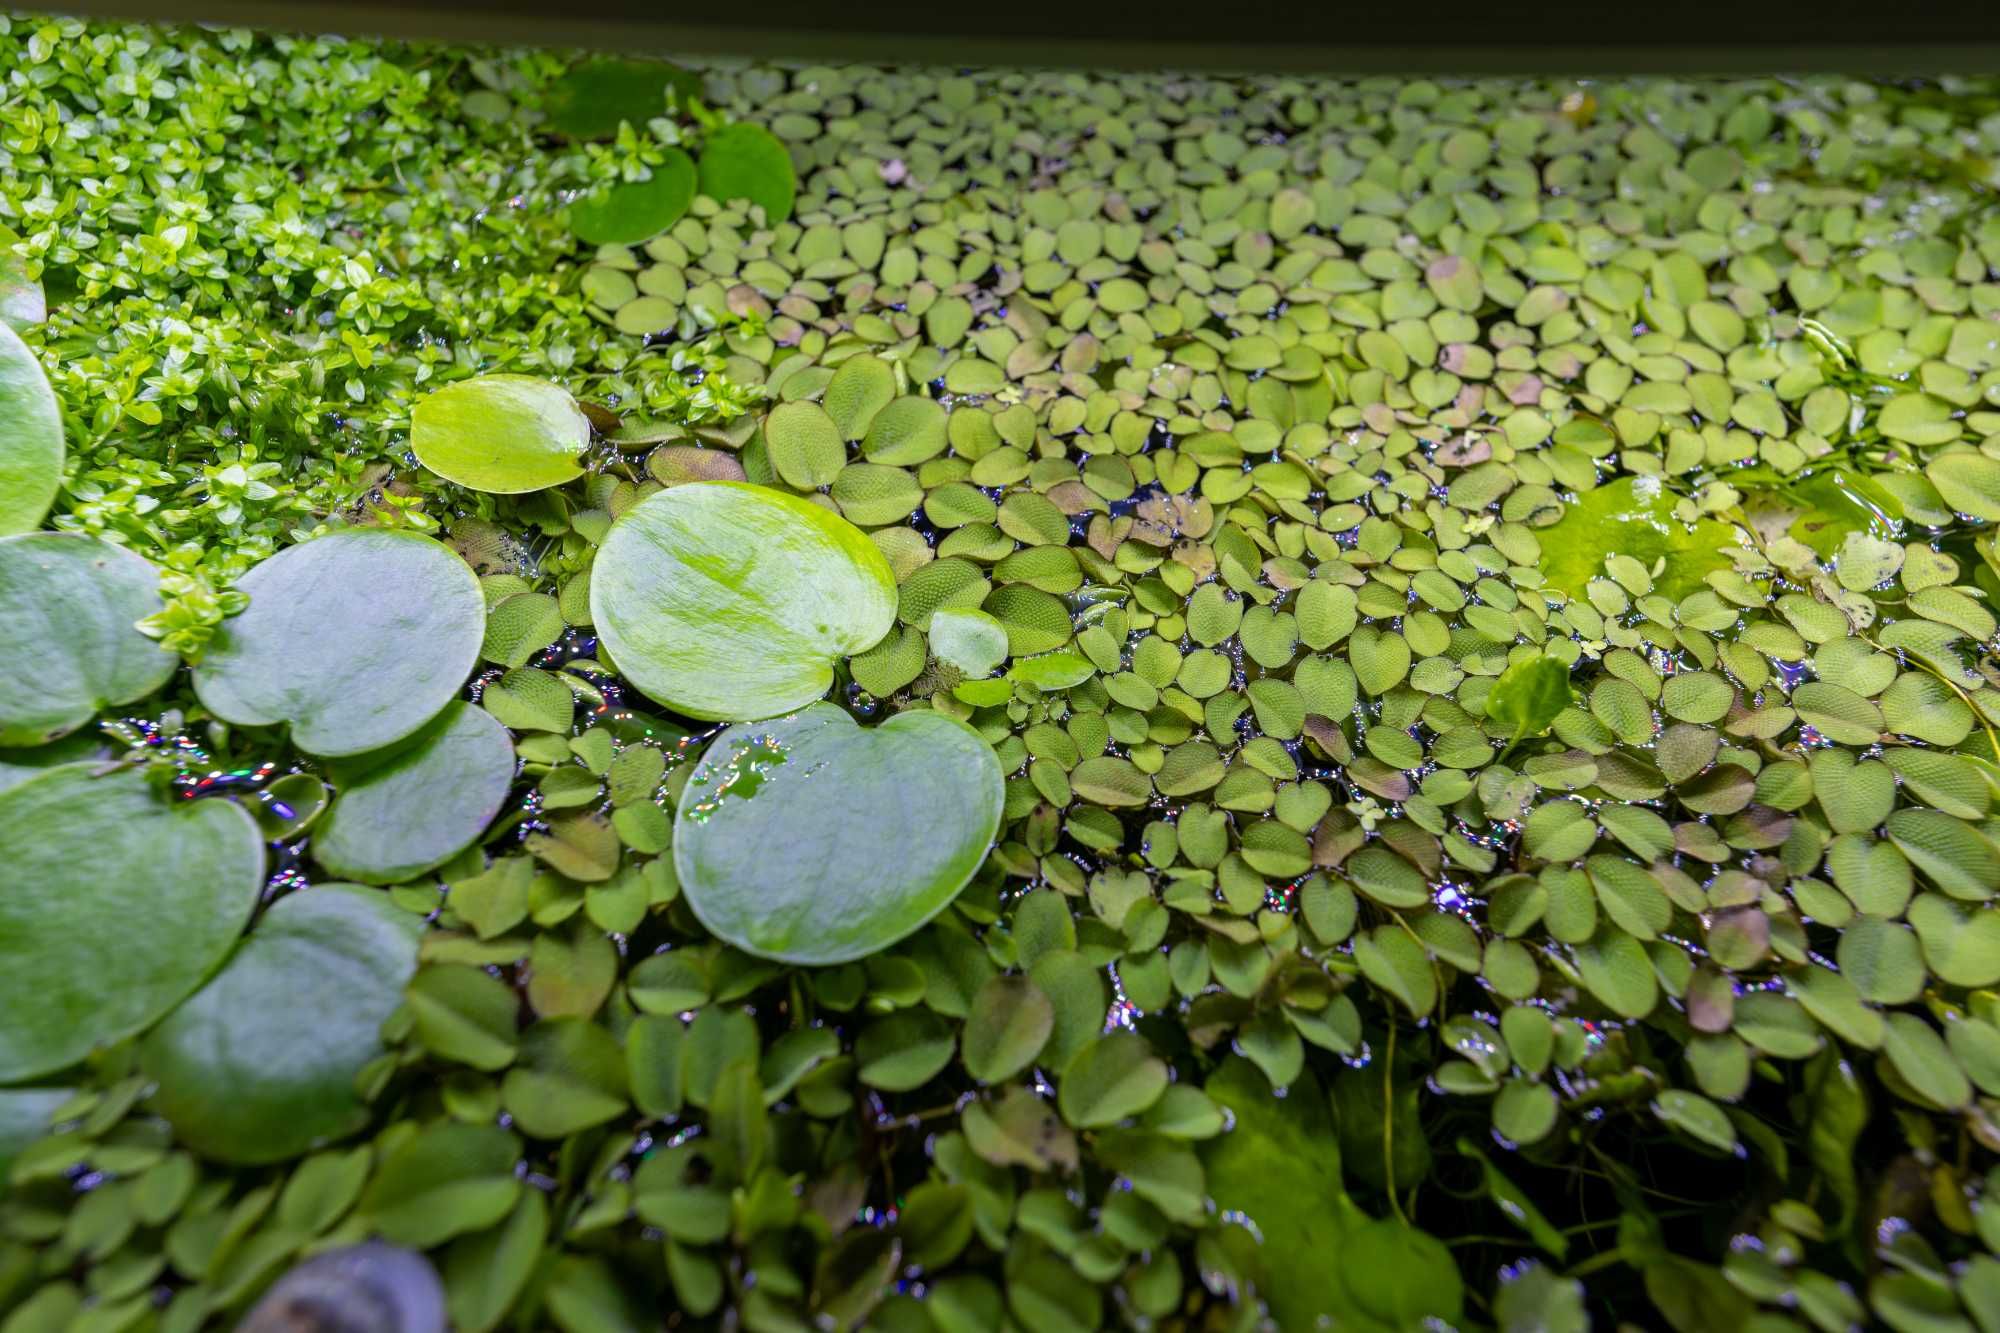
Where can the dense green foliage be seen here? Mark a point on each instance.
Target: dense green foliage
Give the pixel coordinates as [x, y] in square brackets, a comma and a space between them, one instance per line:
[1481, 594]
[259, 253]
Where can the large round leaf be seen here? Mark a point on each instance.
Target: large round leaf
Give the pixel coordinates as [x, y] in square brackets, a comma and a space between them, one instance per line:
[592, 99]
[31, 437]
[417, 804]
[501, 433]
[260, 1063]
[745, 161]
[810, 840]
[67, 643]
[726, 600]
[114, 904]
[633, 211]
[356, 639]
[1633, 516]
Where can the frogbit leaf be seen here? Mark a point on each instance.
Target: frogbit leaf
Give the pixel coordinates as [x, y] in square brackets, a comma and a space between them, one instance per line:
[31, 437]
[405, 810]
[810, 840]
[746, 161]
[594, 97]
[115, 905]
[628, 212]
[260, 1063]
[1633, 516]
[68, 646]
[23, 303]
[356, 639]
[731, 601]
[501, 433]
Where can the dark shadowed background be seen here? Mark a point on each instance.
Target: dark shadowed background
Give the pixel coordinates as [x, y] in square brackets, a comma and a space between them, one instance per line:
[1436, 36]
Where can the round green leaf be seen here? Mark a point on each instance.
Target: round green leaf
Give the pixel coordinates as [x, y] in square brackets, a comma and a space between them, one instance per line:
[1633, 517]
[1917, 418]
[906, 432]
[811, 840]
[633, 211]
[1051, 671]
[1882, 959]
[356, 639]
[31, 437]
[731, 601]
[1528, 696]
[1524, 1112]
[464, 1014]
[1961, 948]
[1615, 968]
[260, 1063]
[115, 905]
[746, 161]
[501, 433]
[403, 810]
[1388, 957]
[1975, 1044]
[68, 647]
[484, 1274]
[593, 98]
[1955, 855]
[861, 388]
[903, 1050]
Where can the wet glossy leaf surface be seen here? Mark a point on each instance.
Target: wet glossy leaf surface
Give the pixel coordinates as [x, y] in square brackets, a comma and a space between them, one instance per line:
[786, 837]
[725, 600]
[504, 433]
[631, 211]
[1633, 517]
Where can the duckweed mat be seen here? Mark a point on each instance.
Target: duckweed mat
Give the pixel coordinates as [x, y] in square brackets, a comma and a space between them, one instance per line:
[1356, 704]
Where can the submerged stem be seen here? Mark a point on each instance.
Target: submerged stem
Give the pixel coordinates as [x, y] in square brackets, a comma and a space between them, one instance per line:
[1389, 1124]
